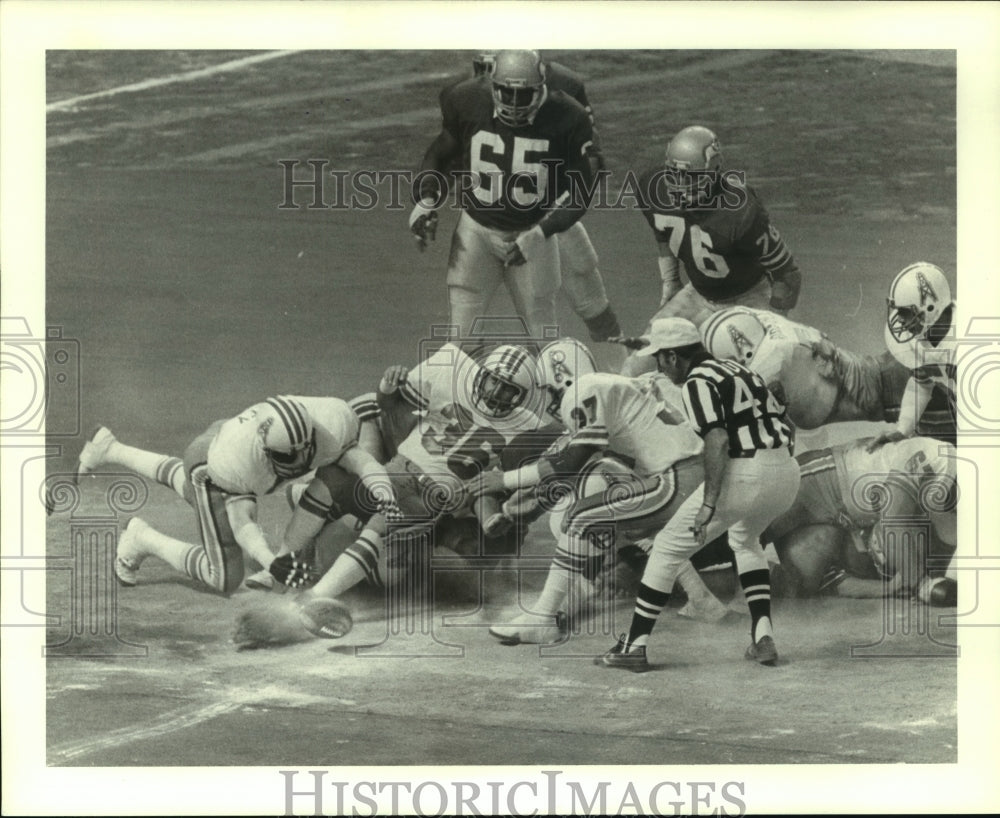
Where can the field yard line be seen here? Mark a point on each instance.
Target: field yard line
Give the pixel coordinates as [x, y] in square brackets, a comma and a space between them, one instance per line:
[169, 723]
[199, 73]
[430, 113]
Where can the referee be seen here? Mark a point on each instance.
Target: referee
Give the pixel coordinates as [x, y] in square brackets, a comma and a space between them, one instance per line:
[750, 478]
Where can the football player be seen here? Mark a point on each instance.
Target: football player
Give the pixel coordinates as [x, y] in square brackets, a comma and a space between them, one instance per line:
[582, 283]
[445, 420]
[603, 414]
[864, 522]
[712, 221]
[223, 473]
[523, 152]
[818, 382]
[920, 334]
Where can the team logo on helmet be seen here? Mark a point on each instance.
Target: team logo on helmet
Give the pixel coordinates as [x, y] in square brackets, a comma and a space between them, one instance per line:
[743, 345]
[561, 364]
[926, 290]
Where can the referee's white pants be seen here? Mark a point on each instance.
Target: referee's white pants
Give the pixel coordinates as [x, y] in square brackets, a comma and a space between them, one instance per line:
[476, 268]
[754, 492]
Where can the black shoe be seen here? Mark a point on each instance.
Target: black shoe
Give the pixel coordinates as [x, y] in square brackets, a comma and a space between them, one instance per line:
[763, 651]
[633, 659]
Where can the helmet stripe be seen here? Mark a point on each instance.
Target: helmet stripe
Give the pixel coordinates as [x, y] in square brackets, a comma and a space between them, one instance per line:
[291, 415]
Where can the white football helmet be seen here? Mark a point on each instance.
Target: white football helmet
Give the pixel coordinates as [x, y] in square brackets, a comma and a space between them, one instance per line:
[518, 87]
[734, 334]
[561, 364]
[289, 437]
[506, 379]
[917, 297]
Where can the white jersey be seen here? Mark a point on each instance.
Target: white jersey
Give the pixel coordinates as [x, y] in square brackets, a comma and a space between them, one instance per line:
[627, 418]
[237, 463]
[452, 437]
[813, 373]
[917, 459]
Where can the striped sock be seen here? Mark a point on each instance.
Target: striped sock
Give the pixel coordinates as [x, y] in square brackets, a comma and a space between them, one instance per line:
[648, 605]
[756, 586]
[170, 473]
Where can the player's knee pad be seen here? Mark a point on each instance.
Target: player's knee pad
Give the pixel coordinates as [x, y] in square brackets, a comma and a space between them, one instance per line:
[807, 553]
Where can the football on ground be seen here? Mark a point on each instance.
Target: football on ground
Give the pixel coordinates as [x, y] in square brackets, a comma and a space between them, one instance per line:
[326, 618]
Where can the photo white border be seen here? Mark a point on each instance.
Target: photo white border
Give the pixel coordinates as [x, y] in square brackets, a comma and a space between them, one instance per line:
[29, 28]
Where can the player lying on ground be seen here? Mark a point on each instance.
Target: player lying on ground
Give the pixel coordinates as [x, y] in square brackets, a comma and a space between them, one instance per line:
[868, 523]
[451, 416]
[603, 413]
[819, 382]
[523, 160]
[749, 478]
[708, 218]
[223, 473]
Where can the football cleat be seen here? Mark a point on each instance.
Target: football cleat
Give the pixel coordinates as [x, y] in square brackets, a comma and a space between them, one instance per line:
[532, 629]
[129, 554]
[505, 380]
[561, 364]
[734, 334]
[763, 651]
[692, 164]
[917, 297]
[519, 90]
[633, 659]
[94, 451]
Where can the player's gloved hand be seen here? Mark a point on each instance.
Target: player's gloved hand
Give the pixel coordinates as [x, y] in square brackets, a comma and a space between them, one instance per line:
[294, 571]
[393, 378]
[423, 223]
[627, 342]
[389, 508]
[487, 482]
[889, 437]
[831, 579]
[526, 246]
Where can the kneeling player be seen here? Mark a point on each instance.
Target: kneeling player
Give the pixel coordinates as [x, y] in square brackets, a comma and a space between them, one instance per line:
[603, 413]
[223, 473]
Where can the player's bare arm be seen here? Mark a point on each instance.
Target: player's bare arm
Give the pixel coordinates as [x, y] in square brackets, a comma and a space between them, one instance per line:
[242, 514]
[670, 272]
[428, 195]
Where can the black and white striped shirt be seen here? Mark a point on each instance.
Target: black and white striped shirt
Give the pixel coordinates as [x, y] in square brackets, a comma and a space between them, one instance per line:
[727, 395]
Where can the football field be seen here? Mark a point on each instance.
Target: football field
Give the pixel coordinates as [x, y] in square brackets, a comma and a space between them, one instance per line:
[198, 281]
